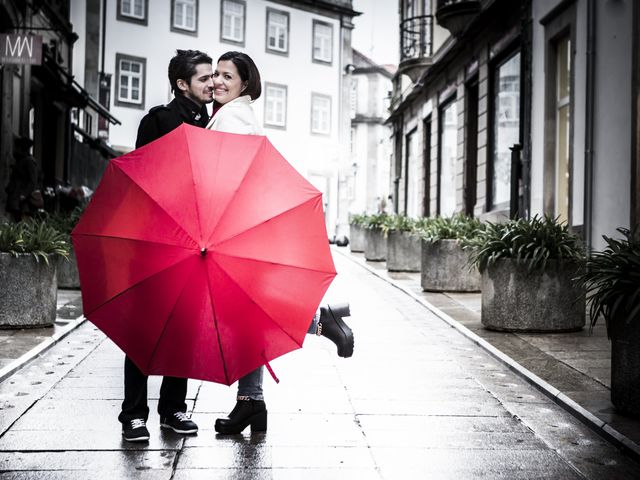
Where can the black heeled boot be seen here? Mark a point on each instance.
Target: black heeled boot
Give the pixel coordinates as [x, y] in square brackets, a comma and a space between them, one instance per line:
[335, 329]
[246, 412]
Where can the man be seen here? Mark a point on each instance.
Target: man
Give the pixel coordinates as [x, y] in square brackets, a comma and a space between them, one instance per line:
[191, 78]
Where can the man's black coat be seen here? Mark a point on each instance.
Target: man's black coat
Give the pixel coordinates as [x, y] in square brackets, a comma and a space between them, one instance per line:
[162, 119]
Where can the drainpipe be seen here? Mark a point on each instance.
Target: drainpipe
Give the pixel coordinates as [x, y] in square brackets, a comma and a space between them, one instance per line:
[589, 130]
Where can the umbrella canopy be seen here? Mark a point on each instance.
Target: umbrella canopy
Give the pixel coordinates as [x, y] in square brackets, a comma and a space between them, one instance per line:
[203, 255]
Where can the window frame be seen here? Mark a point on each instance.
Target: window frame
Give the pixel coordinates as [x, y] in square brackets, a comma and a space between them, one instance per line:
[313, 43]
[232, 41]
[269, 49]
[449, 102]
[174, 28]
[561, 26]
[144, 20]
[116, 98]
[495, 65]
[266, 123]
[315, 96]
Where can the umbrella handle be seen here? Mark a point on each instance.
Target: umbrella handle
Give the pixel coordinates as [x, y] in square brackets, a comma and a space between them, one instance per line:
[273, 375]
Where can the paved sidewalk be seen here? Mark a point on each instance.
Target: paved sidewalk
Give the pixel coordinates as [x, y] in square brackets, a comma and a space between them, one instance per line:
[574, 369]
[417, 400]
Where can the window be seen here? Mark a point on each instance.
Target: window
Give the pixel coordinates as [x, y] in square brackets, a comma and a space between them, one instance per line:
[506, 128]
[320, 114]
[233, 21]
[277, 31]
[563, 127]
[412, 174]
[184, 16]
[447, 159]
[130, 80]
[135, 11]
[275, 105]
[322, 42]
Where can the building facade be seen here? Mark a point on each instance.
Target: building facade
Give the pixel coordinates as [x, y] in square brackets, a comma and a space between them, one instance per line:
[40, 99]
[370, 137]
[506, 108]
[300, 48]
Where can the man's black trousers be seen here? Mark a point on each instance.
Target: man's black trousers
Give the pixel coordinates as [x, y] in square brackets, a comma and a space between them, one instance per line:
[172, 394]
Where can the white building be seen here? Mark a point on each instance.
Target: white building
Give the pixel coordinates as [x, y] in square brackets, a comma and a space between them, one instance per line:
[370, 137]
[300, 48]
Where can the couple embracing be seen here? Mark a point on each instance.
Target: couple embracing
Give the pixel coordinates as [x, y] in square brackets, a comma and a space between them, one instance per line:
[232, 85]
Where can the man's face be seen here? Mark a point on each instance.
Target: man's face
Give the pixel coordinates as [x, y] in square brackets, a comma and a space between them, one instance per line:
[200, 86]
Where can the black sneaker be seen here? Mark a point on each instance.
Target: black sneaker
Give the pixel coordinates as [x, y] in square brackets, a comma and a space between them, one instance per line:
[179, 423]
[135, 430]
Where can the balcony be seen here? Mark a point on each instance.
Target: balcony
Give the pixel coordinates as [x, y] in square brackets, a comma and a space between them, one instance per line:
[455, 15]
[416, 45]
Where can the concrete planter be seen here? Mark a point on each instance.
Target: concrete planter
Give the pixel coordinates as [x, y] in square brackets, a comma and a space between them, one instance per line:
[375, 245]
[625, 366]
[403, 252]
[356, 238]
[28, 294]
[514, 300]
[67, 272]
[445, 268]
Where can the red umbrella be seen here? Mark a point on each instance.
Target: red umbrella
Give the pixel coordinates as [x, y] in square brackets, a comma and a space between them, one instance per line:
[203, 255]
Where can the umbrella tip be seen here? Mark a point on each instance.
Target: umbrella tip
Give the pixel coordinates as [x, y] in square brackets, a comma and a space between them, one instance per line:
[203, 251]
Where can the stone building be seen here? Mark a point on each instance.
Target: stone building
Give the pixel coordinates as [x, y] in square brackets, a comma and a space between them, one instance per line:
[514, 107]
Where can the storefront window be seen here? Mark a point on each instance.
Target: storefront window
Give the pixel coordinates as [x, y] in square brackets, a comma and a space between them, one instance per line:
[506, 128]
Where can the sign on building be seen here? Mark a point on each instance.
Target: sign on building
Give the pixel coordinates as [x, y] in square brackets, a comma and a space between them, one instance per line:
[21, 49]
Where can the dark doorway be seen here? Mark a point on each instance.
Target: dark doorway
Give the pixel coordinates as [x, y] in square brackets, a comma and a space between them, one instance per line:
[471, 149]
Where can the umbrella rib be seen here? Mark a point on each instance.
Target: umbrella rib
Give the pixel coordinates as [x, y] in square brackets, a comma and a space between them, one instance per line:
[134, 285]
[267, 220]
[215, 320]
[133, 182]
[260, 307]
[166, 324]
[235, 193]
[273, 263]
[133, 240]
[194, 182]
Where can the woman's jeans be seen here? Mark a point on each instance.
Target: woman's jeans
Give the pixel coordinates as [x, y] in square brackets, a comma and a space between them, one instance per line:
[251, 384]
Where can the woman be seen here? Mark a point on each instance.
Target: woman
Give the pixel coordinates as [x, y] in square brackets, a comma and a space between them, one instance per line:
[236, 83]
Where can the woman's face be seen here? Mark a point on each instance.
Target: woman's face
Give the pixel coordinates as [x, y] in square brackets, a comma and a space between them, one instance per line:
[227, 84]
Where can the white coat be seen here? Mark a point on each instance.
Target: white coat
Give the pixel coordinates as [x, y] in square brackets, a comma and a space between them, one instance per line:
[236, 116]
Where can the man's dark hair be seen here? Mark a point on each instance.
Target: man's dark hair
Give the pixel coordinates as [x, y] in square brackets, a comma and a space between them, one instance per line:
[183, 66]
[248, 72]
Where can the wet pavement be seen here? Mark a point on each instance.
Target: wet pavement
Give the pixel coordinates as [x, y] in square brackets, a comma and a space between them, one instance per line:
[417, 400]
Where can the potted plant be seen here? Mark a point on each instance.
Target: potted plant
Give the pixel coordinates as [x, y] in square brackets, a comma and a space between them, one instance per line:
[356, 232]
[528, 269]
[28, 273]
[375, 244]
[612, 282]
[403, 244]
[445, 264]
[67, 268]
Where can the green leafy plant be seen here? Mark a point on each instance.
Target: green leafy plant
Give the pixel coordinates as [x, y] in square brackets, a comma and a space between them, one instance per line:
[376, 221]
[456, 227]
[64, 222]
[612, 281]
[358, 219]
[530, 242]
[34, 237]
[397, 223]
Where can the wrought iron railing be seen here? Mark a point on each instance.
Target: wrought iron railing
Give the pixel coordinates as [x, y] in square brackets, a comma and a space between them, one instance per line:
[416, 37]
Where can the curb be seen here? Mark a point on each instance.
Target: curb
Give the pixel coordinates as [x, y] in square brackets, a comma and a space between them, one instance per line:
[582, 414]
[38, 350]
